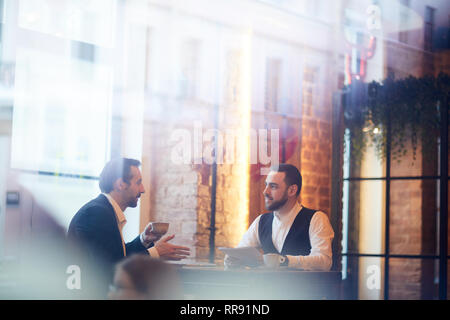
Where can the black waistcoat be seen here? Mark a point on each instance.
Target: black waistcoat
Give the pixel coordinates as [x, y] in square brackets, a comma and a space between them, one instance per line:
[297, 240]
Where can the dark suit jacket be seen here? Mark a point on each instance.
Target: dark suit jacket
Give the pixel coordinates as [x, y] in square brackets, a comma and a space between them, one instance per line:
[94, 229]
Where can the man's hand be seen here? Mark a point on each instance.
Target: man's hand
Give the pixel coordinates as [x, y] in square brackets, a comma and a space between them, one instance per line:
[168, 251]
[231, 262]
[148, 235]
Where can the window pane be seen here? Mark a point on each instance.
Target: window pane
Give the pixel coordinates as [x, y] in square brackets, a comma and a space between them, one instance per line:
[429, 15]
[416, 161]
[448, 229]
[448, 279]
[413, 279]
[60, 114]
[362, 164]
[91, 22]
[364, 279]
[413, 217]
[85, 81]
[364, 202]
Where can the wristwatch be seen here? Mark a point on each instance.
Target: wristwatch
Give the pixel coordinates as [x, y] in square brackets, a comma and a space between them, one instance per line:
[284, 261]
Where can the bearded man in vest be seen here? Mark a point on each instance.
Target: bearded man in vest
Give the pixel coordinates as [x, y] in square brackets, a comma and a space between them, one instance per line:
[300, 236]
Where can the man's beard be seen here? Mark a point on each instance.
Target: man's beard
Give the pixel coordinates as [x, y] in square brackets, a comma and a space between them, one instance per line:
[277, 204]
[133, 203]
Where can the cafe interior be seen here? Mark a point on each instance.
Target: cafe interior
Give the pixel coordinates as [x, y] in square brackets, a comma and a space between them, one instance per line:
[208, 95]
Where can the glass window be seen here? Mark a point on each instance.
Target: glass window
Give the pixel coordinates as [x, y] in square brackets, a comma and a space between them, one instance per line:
[403, 21]
[82, 82]
[413, 279]
[448, 249]
[366, 217]
[90, 22]
[413, 217]
[364, 279]
[448, 278]
[428, 28]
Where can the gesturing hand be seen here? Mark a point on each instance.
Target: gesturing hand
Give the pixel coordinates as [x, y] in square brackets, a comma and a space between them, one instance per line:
[168, 251]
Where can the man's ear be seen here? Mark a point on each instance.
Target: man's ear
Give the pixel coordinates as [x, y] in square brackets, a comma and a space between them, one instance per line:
[292, 190]
[119, 184]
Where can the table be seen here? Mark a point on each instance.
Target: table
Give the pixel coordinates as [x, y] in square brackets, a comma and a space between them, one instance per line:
[259, 283]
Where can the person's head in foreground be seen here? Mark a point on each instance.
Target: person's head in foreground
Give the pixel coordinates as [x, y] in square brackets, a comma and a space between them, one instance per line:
[141, 277]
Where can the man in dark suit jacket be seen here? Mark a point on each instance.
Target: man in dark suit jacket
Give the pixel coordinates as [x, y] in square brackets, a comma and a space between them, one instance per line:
[97, 227]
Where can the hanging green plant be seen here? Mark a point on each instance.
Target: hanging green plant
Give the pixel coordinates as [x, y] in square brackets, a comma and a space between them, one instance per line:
[408, 109]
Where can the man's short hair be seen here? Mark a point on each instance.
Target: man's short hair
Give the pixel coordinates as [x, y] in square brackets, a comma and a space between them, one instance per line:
[292, 175]
[115, 169]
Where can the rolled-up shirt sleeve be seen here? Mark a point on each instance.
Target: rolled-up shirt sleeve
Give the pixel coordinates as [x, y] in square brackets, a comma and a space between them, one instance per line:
[321, 235]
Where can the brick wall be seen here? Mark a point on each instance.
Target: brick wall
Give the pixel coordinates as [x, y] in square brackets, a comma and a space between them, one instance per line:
[413, 203]
[181, 193]
[173, 190]
[404, 281]
[405, 229]
[316, 164]
[413, 212]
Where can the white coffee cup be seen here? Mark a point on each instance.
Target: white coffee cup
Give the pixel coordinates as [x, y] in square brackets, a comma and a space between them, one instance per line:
[272, 260]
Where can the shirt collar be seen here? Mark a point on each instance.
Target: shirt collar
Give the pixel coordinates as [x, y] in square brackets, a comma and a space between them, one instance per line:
[291, 214]
[119, 213]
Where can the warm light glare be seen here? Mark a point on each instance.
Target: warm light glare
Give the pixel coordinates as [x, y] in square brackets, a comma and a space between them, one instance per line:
[243, 143]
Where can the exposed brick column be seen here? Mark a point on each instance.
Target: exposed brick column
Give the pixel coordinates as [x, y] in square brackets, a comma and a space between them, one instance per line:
[316, 164]
[413, 212]
[173, 189]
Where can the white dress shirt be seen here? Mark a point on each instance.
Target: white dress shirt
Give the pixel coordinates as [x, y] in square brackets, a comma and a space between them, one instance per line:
[321, 235]
[121, 221]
